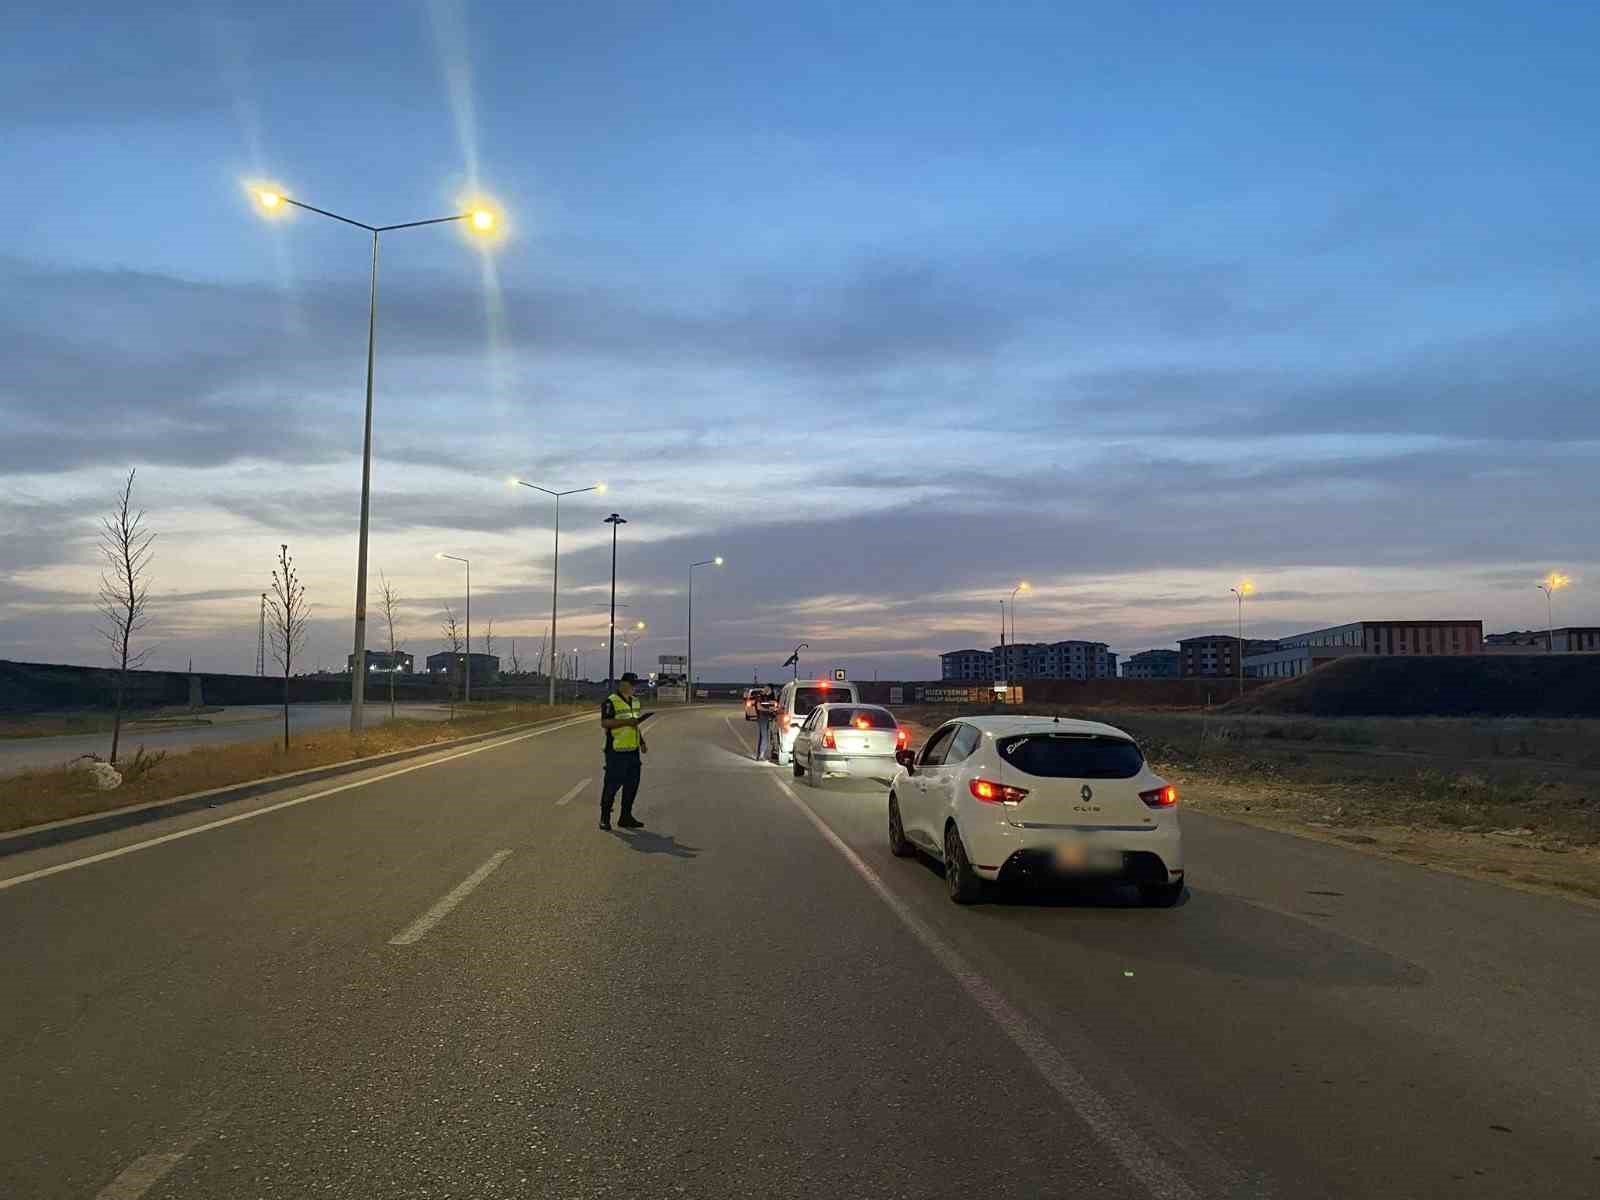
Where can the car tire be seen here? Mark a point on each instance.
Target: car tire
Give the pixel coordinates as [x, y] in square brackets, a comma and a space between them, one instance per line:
[1160, 895]
[964, 885]
[813, 776]
[799, 771]
[899, 845]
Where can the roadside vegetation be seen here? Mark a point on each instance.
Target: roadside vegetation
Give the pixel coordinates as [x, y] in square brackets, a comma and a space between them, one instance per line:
[36, 796]
[1511, 798]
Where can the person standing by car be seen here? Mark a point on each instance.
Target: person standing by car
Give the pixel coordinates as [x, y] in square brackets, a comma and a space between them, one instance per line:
[620, 717]
[766, 714]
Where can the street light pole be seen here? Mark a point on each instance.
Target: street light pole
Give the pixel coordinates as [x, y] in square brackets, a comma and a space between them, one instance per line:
[616, 522]
[688, 694]
[467, 690]
[555, 561]
[482, 221]
[1023, 586]
[1240, 592]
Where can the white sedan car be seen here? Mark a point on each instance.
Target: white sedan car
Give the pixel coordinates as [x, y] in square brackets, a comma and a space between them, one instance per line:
[1040, 799]
[847, 739]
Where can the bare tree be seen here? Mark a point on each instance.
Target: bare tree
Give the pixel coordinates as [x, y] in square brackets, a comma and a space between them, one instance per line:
[488, 638]
[390, 599]
[124, 592]
[516, 663]
[451, 629]
[288, 631]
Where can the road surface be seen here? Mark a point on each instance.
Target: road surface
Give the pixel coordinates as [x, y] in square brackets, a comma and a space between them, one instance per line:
[239, 723]
[440, 979]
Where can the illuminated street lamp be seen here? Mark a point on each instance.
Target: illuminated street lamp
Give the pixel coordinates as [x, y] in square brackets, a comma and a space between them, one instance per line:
[1550, 585]
[709, 562]
[555, 556]
[1024, 586]
[480, 220]
[467, 689]
[1245, 588]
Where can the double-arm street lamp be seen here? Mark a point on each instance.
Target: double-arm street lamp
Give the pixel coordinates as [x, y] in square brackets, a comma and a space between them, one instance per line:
[688, 695]
[555, 558]
[467, 689]
[616, 522]
[1550, 585]
[479, 220]
[1245, 588]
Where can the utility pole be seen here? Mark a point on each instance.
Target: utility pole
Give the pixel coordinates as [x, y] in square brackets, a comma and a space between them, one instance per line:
[261, 639]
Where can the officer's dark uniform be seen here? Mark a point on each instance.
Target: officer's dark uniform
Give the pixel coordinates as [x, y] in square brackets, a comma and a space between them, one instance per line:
[622, 759]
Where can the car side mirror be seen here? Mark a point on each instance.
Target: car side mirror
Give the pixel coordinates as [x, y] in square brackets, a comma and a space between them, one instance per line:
[907, 759]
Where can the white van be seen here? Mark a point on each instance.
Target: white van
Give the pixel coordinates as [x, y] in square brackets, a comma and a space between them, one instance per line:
[795, 703]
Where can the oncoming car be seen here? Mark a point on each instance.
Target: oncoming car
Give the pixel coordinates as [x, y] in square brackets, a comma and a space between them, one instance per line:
[1040, 799]
[847, 739]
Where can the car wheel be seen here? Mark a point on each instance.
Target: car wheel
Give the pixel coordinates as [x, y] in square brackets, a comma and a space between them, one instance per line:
[963, 882]
[798, 769]
[899, 845]
[1160, 895]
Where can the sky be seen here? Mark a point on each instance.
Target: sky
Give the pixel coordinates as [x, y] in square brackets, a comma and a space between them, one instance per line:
[890, 305]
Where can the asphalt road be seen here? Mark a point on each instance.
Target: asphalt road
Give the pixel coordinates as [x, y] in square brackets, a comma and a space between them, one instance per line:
[240, 723]
[440, 979]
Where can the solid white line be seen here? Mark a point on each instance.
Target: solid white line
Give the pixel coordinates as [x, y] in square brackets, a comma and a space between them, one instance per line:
[414, 931]
[43, 872]
[729, 722]
[576, 788]
[142, 1174]
[1091, 1107]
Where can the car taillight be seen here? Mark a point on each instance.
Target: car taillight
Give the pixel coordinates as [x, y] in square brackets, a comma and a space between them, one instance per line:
[991, 792]
[827, 740]
[1161, 797]
[902, 738]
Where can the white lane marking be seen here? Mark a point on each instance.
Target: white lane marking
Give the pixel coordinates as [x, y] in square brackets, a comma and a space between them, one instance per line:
[729, 722]
[142, 1174]
[1092, 1108]
[261, 812]
[576, 788]
[415, 931]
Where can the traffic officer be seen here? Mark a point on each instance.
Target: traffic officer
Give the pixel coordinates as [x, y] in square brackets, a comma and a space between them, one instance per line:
[620, 717]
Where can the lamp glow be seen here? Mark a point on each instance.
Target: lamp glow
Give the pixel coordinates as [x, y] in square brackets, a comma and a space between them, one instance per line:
[269, 199]
[482, 220]
[717, 560]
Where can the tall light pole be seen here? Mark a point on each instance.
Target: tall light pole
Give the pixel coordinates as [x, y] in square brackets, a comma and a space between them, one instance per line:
[261, 639]
[688, 695]
[1021, 587]
[467, 690]
[479, 220]
[616, 522]
[1244, 589]
[1550, 585]
[555, 560]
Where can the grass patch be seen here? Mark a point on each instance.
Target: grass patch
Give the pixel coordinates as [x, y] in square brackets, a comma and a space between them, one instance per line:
[52, 794]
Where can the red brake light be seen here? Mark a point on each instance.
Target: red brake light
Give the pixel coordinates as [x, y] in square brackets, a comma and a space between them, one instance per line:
[902, 738]
[996, 793]
[1161, 797]
[827, 740]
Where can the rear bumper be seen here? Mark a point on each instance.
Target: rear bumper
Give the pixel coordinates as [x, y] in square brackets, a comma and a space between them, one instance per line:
[839, 762]
[1037, 868]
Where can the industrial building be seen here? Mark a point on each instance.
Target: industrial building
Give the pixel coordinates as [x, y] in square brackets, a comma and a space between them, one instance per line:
[400, 663]
[971, 666]
[1301, 653]
[485, 667]
[1153, 664]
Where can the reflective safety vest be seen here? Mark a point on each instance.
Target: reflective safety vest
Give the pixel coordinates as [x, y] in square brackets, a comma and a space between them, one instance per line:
[623, 739]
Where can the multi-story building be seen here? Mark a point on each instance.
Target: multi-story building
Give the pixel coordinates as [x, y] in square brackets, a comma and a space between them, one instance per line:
[1580, 639]
[1152, 664]
[976, 666]
[1303, 652]
[1212, 654]
[1070, 659]
[400, 663]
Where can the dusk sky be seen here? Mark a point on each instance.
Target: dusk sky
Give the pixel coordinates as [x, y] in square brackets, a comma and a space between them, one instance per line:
[891, 305]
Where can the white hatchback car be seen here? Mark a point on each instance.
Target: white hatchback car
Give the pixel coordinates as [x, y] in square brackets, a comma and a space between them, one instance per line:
[847, 739]
[1041, 799]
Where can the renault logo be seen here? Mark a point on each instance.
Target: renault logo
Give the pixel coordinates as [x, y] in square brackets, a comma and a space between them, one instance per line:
[1087, 793]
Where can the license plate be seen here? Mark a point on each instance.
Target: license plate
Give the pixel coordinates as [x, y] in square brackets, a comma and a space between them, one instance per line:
[1075, 858]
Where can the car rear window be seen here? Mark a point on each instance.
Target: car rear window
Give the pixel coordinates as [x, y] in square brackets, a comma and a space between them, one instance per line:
[861, 718]
[1072, 756]
[807, 698]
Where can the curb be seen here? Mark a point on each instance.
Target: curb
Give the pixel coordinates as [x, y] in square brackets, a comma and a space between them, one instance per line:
[72, 829]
